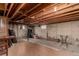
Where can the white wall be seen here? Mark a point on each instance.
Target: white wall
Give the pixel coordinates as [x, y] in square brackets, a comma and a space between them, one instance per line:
[40, 32]
[20, 33]
[67, 28]
[59, 29]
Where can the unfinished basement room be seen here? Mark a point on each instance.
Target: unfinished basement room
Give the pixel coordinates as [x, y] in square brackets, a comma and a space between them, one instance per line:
[39, 29]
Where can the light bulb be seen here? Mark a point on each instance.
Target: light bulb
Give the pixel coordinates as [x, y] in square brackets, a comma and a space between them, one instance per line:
[55, 9]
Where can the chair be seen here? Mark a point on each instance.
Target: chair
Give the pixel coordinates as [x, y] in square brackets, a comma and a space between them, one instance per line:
[3, 46]
[64, 40]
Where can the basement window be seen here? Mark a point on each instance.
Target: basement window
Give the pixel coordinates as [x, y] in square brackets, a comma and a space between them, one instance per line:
[23, 27]
[43, 27]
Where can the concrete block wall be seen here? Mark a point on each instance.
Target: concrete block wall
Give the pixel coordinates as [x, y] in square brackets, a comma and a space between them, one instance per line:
[40, 32]
[66, 28]
[19, 32]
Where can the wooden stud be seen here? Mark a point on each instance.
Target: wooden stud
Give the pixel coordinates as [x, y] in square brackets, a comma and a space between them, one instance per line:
[5, 8]
[29, 10]
[18, 10]
[10, 9]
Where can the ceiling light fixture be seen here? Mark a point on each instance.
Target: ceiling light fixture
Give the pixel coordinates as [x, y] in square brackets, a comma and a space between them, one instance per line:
[43, 10]
[55, 8]
[32, 17]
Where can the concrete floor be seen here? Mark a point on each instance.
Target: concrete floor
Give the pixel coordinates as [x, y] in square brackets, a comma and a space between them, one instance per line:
[25, 48]
[56, 45]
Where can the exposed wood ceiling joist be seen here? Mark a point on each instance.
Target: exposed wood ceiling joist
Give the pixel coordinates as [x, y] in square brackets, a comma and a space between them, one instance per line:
[66, 11]
[2, 7]
[72, 17]
[22, 13]
[54, 12]
[29, 10]
[18, 10]
[9, 9]
[61, 18]
[43, 14]
[58, 13]
[42, 10]
[34, 7]
[51, 19]
[5, 8]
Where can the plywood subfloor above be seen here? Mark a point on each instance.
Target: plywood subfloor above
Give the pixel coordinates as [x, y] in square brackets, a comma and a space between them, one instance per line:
[32, 49]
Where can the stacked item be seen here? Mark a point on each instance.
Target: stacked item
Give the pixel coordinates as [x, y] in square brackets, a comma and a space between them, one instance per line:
[11, 40]
[3, 46]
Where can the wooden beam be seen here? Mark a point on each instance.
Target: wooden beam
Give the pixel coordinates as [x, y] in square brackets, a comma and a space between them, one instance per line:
[42, 10]
[59, 20]
[59, 16]
[10, 9]
[58, 13]
[62, 15]
[2, 6]
[60, 10]
[5, 8]
[17, 23]
[36, 13]
[29, 10]
[65, 18]
[34, 7]
[18, 10]
[22, 13]
[65, 12]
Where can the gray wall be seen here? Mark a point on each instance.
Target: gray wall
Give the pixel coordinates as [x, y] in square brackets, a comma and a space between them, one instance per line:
[54, 30]
[19, 32]
[40, 32]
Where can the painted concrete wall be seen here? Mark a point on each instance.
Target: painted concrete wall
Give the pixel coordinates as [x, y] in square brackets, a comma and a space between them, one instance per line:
[19, 32]
[54, 30]
[40, 32]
